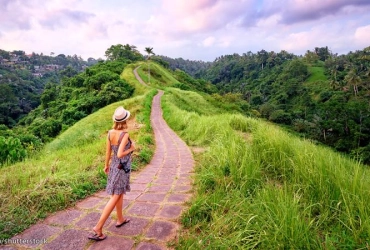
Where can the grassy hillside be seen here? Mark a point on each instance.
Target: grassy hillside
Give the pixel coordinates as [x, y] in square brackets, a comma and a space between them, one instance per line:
[316, 74]
[70, 167]
[130, 77]
[159, 77]
[260, 187]
[256, 186]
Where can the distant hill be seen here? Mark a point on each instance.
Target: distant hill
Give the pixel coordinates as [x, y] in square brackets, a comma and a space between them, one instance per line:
[321, 95]
[191, 67]
[256, 185]
[23, 77]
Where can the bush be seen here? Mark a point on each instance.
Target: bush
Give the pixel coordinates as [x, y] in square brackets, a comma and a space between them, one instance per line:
[266, 109]
[181, 86]
[280, 116]
[96, 81]
[11, 150]
[46, 129]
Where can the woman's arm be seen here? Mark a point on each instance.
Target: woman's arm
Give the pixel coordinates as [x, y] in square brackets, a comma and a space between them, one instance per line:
[121, 149]
[107, 155]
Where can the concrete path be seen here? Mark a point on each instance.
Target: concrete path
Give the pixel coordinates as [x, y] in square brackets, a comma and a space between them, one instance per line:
[138, 77]
[154, 205]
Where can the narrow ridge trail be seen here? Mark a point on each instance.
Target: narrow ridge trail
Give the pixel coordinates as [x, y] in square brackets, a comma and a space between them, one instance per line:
[154, 205]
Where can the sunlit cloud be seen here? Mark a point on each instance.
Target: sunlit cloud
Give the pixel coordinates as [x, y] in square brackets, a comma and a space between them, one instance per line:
[209, 41]
[362, 36]
[202, 29]
[61, 18]
[295, 11]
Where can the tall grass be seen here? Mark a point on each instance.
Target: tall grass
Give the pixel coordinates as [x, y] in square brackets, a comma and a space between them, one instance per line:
[258, 186]
[69, 168]
[159, 77]
[128, 75]
[194, 102]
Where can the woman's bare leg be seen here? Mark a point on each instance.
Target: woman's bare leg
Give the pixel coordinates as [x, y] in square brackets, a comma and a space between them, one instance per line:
[119, 206]
[106, 212]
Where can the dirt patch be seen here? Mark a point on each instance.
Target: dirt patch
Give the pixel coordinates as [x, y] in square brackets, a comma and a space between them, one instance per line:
[198, 150]
[246, 136]
[133, 124]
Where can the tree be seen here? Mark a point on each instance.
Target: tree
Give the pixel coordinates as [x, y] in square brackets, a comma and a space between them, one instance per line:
[311, 57]
[353, 80]
[113, 52]
[262, 57]
[323, 53]
[4, 54]
[91, 61]
[18, 52]
[123, 52]
[150, 52]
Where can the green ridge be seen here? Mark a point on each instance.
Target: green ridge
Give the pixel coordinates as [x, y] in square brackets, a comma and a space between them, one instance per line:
[256, 185]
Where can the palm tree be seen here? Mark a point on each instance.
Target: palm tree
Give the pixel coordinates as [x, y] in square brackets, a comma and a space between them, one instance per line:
[150, 52]
[353, 80]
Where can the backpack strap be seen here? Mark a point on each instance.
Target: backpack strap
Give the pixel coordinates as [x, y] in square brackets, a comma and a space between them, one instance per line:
[120, 137]
[109, 137]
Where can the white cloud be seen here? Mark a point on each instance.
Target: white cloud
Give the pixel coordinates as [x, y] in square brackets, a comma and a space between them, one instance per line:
[269, 22]
[182, 28]
[362, 36]
[209, 41]
[297, 42]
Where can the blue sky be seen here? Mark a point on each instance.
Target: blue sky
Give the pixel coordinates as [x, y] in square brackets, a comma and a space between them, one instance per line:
[191, 29]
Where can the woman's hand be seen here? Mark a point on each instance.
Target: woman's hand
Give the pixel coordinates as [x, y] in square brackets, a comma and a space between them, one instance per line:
[106, 169]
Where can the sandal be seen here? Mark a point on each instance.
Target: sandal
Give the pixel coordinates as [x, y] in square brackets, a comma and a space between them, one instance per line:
[97, 237]
[123, 223]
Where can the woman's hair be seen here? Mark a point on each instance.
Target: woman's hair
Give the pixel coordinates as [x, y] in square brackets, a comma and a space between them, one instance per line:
[120, 125]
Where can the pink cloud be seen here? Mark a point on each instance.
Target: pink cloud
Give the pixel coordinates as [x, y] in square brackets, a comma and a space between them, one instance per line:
[362, 36]
[294, 11]
[183, 7]
[201, 15]
[60, 17]
[13, 16]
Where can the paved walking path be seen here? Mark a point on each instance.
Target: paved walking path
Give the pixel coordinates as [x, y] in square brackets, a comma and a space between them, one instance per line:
[154, 205]
[138, 77]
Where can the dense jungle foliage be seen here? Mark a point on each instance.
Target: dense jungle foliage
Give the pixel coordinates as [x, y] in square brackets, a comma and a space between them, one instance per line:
[191, 67]
[23, 78]
[65, 99]
[69, 95]
[321, 95]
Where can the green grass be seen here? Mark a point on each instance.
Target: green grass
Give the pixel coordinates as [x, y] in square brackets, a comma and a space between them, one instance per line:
[128, 75]
[159, 77]
[258, 186]
[193, 102]
[317, 81]
[71, 166]
[316, 74]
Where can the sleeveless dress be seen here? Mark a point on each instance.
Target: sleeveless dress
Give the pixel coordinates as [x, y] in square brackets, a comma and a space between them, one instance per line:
[118, 181]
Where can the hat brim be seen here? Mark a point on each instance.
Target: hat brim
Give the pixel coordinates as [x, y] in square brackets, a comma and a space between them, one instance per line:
[124, 118]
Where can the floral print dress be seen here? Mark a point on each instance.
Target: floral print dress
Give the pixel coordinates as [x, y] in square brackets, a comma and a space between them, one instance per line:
[118, 180]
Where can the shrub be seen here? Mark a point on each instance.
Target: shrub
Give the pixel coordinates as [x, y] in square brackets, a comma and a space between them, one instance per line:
[280, 116]
[11, 150]
[46, 129]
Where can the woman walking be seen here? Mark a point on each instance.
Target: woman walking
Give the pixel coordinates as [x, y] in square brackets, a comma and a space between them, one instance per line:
[118, 168]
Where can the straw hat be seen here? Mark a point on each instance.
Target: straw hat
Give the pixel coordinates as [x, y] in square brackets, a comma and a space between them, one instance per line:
[121, 114]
